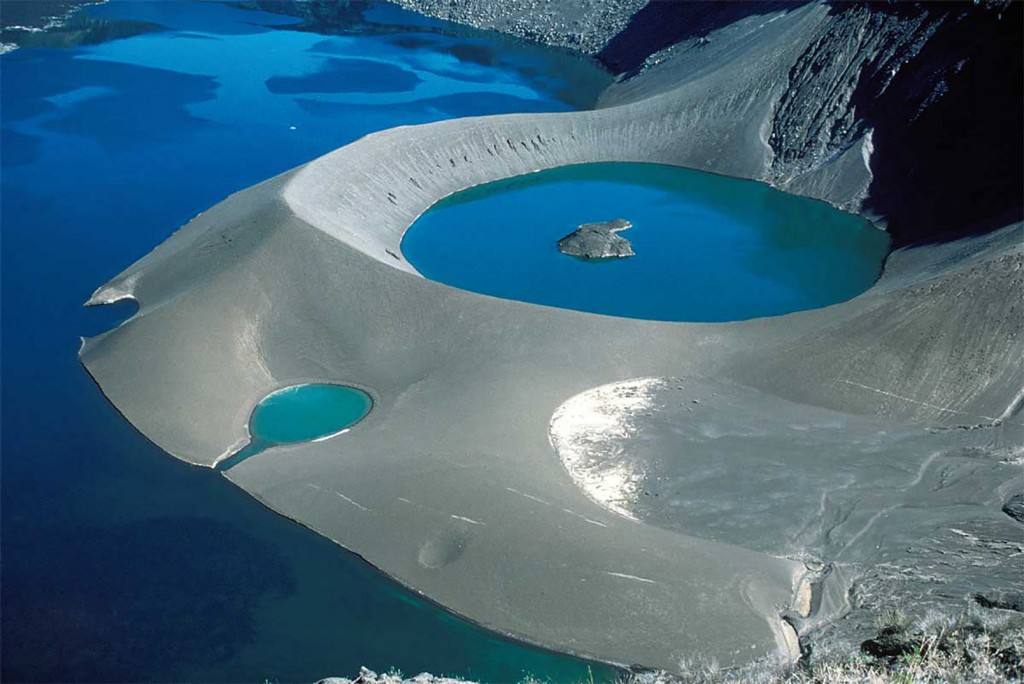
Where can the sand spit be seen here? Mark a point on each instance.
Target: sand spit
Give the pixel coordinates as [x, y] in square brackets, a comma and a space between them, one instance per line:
[451, 485]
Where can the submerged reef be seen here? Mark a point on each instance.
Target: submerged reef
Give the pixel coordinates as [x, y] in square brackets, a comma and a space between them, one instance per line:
[598, 241]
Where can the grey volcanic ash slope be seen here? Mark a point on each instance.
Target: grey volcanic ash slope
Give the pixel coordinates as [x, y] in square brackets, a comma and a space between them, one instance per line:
[928, 94]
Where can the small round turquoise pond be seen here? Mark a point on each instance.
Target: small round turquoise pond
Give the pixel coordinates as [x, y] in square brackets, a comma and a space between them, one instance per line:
[707, 247]
[302, 413]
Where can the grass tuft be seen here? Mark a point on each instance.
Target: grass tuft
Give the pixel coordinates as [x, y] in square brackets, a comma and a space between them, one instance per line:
[977, 647]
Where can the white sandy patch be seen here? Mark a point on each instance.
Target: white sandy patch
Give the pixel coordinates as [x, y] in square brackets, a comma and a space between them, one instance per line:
[632, 577]
[585, 432]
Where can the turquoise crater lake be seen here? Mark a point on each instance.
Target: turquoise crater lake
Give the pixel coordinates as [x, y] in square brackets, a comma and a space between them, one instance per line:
[301, 413]
[308, 412]
[708, 248]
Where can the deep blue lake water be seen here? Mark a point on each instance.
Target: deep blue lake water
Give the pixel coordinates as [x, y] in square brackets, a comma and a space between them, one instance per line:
[119, 562]
[707, 247]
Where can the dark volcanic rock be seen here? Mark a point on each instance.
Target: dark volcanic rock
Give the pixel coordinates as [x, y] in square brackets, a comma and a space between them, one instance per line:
[598, 241]
[891, 642]
[1015, 507]
[1001, 601]
[939, 84]
[658, 25]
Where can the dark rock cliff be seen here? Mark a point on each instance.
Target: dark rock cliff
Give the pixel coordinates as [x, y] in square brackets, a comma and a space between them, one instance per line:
[940, 86]
[932, 91]
[935, 89]
[660, 24]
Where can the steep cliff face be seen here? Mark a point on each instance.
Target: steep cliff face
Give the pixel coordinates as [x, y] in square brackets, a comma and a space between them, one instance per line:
[948, 128]
[821, 111]
[937, 87]
[910, 113]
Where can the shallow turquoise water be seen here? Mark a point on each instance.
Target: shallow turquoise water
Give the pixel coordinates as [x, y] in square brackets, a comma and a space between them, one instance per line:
[308, 412]
[708, 248]
[121, 564]
[301, 413]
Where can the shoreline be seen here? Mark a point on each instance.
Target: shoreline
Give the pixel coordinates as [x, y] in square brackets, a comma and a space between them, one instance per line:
[319, 244]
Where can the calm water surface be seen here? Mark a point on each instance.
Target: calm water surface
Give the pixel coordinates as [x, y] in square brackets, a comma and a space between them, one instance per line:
[307, 412]
[301, 413]
[120, 563]
[708, 248]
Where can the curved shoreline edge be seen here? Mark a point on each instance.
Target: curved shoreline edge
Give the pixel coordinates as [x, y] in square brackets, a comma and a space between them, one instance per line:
[301, 279]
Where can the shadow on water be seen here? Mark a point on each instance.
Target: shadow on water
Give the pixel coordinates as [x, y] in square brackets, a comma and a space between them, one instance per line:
[119, 562]
[347, 76]
[138, 105]
[18, 149]
[208, 578]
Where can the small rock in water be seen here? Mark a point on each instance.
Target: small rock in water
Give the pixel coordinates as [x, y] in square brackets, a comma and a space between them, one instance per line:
[598, 241]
